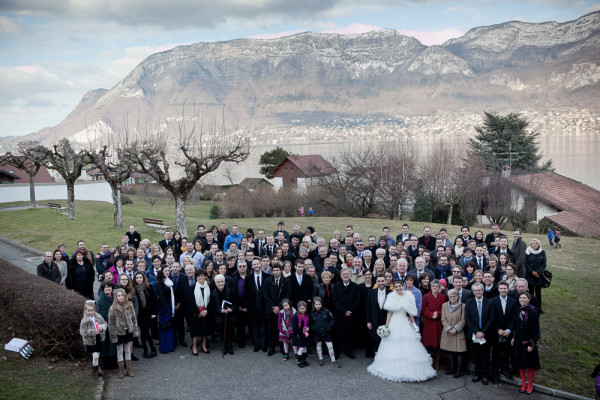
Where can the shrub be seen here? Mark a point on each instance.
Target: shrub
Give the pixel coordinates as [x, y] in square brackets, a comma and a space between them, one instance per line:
[126, 200]
[40, 311]
[215, 211]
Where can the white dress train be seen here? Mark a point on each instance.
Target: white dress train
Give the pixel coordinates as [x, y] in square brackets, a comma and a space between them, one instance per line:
[401, 357]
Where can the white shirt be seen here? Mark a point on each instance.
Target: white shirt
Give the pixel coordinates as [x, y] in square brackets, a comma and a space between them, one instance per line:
[381, 298]
[299, 279]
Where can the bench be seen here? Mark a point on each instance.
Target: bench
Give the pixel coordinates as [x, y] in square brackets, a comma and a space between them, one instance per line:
[154, 223]
[57, 207]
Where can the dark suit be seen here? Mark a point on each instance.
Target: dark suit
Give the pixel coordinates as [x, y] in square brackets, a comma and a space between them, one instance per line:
[504, 320]
[484, 261]
[181, 291]
[481, 352]
[346, 298]
[253, 297]
[258, 247]
[511, 255]
[430, 245]
[304, 292]
[491, 293]
[269, 250]
[272, 295]
[376, 316]
[163, 244]
[465, 295]
[426, 271]
[518, 248]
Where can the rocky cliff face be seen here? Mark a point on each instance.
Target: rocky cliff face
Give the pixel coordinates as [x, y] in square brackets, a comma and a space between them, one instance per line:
[266, 83]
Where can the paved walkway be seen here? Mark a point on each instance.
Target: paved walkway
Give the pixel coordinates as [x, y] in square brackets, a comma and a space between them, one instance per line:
[249, 375]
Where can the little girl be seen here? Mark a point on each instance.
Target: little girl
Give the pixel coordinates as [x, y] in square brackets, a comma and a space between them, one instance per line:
[300, 322]
[321, 322]
[284, 323]
[93, 332]
[122, 329]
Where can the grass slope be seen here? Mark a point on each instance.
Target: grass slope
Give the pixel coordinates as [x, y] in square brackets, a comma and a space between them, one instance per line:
[570, 346]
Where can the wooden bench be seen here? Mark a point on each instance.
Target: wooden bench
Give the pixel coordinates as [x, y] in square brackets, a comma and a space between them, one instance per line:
[57, 207]
[154, 223]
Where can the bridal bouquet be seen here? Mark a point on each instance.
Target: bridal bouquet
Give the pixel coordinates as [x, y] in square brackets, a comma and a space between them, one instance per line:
[383, 331]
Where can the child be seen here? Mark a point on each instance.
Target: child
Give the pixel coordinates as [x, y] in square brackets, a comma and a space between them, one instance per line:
[300, 322]
[284, 323]
[321, 322]
[557, 238]
[123, 328]
[551, 236]
[93, 332]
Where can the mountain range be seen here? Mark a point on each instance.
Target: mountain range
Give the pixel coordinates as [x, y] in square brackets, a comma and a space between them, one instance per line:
[314, 78]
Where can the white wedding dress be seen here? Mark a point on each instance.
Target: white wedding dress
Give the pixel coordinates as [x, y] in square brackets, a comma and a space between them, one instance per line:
[401, 356]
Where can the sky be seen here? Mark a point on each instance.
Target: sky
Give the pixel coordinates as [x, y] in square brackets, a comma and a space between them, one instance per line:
[54, 51]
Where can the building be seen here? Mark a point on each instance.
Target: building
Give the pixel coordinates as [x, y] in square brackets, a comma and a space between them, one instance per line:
[564, 202]
[8, 176]
[43, 176]
[251, 184]
[296, 171]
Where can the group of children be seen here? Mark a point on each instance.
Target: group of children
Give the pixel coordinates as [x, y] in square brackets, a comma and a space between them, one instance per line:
[295, 327]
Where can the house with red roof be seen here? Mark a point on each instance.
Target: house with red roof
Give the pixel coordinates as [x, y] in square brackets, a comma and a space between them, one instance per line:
[564, 202]
[296, 171]
[43, 176]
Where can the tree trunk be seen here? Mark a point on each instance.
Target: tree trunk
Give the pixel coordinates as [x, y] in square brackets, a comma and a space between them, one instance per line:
[117, 206]
[450, 210]
[71, 199]
[32, 192]
[180, 201]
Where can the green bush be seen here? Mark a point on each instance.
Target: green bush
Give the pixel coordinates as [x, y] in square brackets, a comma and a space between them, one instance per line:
[126, 200]
[215, 211]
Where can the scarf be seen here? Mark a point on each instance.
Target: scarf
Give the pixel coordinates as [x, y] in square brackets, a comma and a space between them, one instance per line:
[139, 289]
[202, 300]
[452, 308]
[532, 251]
[525, 317]
[169, 284]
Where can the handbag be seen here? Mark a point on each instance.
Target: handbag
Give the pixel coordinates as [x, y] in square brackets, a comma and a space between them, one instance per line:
[546, 278]
[422, 318]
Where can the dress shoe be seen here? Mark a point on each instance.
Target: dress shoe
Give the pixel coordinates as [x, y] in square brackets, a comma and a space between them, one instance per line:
[152, 353]
[205, 351]
[484, 380]
[321, 362]
[146, 355]
[476, 378]
[196, 353]
[256, 349]
[529, 390]
[271, 352]
[495, 379]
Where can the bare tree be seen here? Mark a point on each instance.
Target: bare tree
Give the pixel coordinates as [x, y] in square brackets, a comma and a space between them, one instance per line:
[396, 165]
[497, 200]
[197, 151]
[68, 163]
[149, 193]
[109, 154]
[28, 160]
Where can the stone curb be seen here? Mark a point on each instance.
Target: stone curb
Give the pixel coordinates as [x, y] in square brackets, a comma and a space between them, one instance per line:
[22, 246]
[100, 389]
[546, 390]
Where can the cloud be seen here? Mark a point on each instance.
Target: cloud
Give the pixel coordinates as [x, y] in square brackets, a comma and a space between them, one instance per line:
[8, 25]
[274, 35]
[39, 102]
[23, 81]
[432, 38]
[593, 8]
[354, 28]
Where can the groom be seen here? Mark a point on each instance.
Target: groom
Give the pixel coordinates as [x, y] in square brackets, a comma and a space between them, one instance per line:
[376, 315]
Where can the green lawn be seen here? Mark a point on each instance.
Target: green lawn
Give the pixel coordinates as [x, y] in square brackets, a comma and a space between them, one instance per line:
[570, 344]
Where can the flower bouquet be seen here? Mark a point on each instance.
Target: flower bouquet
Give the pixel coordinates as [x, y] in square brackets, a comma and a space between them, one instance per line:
[383, 331]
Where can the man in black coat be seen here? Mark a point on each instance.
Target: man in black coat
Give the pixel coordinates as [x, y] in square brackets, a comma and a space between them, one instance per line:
[495, 233]
[375, 314]
[480, 321]
[48, 269]
[302, 285]
[503, 248]
[259, 243]
[518, 248]
[253, 298]
[463, 294]
[182, 286]
[346, 300]
[275, 289]
[167, 241]
[427, 240]
[505, 309]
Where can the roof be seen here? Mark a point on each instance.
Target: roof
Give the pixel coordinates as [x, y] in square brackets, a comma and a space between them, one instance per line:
[578, 204]
[309, 165]
[43, 176]
[252, 183]
[9, 173]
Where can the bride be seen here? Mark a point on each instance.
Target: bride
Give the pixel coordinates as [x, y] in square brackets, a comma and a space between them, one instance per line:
[401, 356]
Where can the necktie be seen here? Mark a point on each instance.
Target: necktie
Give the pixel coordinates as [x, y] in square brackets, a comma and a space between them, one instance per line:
[503, 305]
[258, 282]
[299, 280]
[480, 264]
[276, 282]
[479, 312]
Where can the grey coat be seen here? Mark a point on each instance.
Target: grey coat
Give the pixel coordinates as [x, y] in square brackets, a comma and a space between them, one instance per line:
[87, 329]
[120, 320]
[456, 319]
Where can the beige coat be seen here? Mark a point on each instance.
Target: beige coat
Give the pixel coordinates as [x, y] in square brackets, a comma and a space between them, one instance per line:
[121, 319]
[456, 319]
[87, 329]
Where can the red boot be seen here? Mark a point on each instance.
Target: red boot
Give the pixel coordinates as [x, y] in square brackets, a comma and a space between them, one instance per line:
[531, 373]
[523, 373]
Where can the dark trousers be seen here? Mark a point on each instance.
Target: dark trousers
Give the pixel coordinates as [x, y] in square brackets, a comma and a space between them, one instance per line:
[372, 344]
[146, 336]
[240, 328]
[258, 330]
[272, 333]
[537, 294]
[344, 334]
[500, 356]
[481, 358]
[154, 328]
[179, 330]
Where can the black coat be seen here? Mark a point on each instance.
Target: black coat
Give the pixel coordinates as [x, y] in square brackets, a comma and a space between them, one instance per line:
[272, 294]
[346, 298]
[537, 263]
[504, 319]
[430, 245]
[327, 297]
[530, 334]
[163, 295]
[163, 245]
[374, 315]
[253, 297]
[472, 318]
[182, 289]
[81, 278]
[145, 313]
[50, 272]
[304, 292]
[216, 301]
[321, 322]
[518, 250]
[490, 294]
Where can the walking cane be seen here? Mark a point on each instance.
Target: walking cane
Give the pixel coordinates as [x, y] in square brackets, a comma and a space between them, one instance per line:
[223, 305]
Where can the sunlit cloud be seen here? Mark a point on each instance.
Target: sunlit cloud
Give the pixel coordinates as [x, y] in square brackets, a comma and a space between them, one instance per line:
[354, 28]
[433, 38]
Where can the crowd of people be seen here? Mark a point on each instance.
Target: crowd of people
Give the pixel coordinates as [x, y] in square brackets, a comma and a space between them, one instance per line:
[475, 297]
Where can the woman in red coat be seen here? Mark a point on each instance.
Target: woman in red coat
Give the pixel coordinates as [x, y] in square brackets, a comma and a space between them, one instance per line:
[432, 326]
